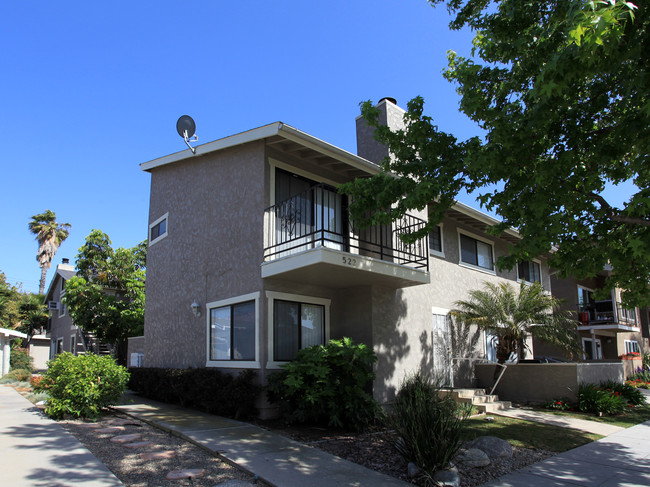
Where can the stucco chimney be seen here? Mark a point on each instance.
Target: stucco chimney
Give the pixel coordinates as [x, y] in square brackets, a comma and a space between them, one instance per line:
[389, 114]
[65, 260]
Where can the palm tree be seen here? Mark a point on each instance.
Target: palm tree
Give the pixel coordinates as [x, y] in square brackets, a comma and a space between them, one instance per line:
[511, 316]
[50, 235]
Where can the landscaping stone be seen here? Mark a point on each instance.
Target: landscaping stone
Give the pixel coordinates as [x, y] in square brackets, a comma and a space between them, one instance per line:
[137, 444]
[185, 474]
[157, 455]
[494, 447]
[118, 422]
[447, 478]
[90, 425]
[126, 438]
[413, 470]
[473, 457]
[110, 429]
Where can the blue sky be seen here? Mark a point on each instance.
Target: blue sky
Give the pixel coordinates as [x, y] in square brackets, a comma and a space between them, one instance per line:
[90, 90]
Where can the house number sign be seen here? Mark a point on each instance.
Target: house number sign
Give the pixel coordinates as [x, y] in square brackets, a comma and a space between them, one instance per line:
[349, 261]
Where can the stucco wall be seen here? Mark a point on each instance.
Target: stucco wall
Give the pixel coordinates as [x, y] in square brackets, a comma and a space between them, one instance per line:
[537, 383]
[212, 251]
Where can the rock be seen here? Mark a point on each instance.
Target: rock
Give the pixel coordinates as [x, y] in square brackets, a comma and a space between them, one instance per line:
[126, 438]
[473, 458]
[413, 470]
[494, 447]
[447, 478]
[110, 429]
[489, 419]
[157, 455]
[137, 444]
[189, 473]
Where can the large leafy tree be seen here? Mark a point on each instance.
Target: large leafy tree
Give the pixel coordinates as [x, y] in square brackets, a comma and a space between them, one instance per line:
[50, 235]
[106, 297]
[9, 303]
[511, 315]
[561, 89]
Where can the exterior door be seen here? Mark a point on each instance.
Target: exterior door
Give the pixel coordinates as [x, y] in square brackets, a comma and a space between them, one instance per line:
[441, 349]
[592, 349]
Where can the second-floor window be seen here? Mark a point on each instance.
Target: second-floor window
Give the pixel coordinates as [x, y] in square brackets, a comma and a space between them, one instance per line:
[158, 229]
[475, 252]
[529, 271]
[435, 240]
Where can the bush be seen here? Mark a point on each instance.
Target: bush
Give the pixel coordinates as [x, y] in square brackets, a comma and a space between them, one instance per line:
[429, 426]
[17, 375]
[208, 390]
[81, 386]
[20, 359]
[596, 400]
[629, 393]
[327, 384]
[560, 405]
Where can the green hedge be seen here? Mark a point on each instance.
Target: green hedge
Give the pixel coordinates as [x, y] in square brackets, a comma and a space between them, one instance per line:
[208, 390]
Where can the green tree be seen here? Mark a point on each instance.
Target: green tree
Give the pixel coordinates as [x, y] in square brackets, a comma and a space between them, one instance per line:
[50, 235]
[561, 89]
[106, 297]
[32, 314]
[511, 316]
[9, 303]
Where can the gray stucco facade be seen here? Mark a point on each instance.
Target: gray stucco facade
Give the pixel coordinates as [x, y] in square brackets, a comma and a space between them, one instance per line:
[212, 251]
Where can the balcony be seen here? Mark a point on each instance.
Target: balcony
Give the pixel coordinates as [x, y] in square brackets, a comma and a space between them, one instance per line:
[607, 315]
[310, 238]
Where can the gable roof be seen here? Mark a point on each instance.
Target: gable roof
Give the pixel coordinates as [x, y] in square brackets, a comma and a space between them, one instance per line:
[62, 271]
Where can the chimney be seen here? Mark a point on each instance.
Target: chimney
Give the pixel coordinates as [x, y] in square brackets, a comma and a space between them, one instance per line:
[389, 114]
[65, 260]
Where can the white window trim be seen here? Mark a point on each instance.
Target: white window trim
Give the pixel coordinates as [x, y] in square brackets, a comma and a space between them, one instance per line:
[73, 344]
[272, 296]
[472, 266]
[638, 348]
[520, 279]
[234, 364]
[441, 252]
[156, 222]
[61, 305]
[56, 346]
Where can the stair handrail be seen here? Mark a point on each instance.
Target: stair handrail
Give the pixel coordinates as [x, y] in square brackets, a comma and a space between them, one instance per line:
[503, 371]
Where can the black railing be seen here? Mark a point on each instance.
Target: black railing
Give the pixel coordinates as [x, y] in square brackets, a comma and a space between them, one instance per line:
[602, 312]
[319, 217]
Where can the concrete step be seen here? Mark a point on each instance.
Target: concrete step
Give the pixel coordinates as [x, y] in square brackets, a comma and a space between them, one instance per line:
[493, 407]
[482, 399]
[462, 393]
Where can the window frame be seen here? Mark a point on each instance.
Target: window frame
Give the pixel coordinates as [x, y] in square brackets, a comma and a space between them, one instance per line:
[229, 363]
[631, 348]
[534, 261]
[73, 344]
[482, 240]
[441, 252]
[165, 218]
[273, 296]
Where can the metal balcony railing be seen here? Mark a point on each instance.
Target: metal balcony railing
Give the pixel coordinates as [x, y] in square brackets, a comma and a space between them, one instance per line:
[319, 217]
[602, 312]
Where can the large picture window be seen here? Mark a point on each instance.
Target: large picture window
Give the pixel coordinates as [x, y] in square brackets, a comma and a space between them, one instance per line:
[529, 271]
[232, 332]
[475, 252]
[296, 325]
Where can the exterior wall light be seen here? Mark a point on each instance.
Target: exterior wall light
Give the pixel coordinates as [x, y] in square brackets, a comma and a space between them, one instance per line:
[196, 309]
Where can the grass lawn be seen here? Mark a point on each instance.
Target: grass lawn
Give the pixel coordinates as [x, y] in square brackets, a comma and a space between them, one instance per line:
[527, 434]
[633, 416]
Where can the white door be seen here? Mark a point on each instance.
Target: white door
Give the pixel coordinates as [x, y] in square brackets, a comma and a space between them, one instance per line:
[441, 349]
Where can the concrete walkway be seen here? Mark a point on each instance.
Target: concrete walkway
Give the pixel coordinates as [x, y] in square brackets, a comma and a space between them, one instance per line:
[594, 427]
[35, 451]
[621, 459]
[274, 458]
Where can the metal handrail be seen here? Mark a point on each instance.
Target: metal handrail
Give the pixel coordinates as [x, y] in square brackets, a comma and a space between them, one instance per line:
[480, 359]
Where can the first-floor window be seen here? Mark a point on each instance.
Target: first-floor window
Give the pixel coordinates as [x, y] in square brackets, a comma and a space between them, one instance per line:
[232, 332]
[59, 346]
[632, 346]
[73, 343]
[295, 326]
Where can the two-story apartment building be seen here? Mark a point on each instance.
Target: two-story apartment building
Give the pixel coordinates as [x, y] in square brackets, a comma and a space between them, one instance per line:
[252, 255]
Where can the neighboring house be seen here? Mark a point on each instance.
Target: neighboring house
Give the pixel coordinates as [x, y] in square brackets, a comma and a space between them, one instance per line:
[606, 329]
[64, 335]
[252, 255]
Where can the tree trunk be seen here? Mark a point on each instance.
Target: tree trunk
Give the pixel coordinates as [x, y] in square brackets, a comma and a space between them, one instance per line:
[41, 285]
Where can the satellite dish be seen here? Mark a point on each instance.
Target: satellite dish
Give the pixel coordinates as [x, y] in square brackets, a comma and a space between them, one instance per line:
[186, 128]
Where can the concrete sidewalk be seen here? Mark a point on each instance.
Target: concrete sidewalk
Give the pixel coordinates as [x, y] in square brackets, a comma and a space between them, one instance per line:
[621, 459]
[35, 451]
[594, 427]
[273, 458]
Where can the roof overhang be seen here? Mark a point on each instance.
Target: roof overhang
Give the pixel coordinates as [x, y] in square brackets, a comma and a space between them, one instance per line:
[7, 333]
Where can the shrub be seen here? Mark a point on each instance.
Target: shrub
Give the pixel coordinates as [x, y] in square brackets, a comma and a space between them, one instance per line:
[208, 390]
[630, 394]
[640, 375]
[596, 400]
[20, 359]
[327, 384]
[560, 405]
[17, 375]
[36, 383]
[429, 426]
[81, 386]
